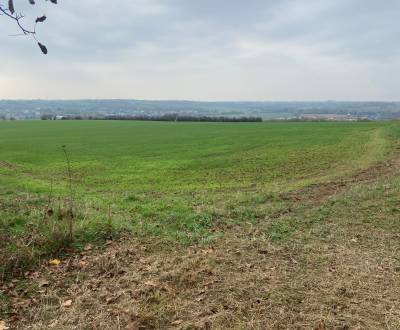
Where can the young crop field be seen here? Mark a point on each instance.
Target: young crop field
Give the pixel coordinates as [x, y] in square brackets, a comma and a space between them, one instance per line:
[200, 225]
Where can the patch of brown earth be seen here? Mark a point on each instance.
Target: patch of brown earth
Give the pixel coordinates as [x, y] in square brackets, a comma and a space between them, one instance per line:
[7, 165]
[318, 193]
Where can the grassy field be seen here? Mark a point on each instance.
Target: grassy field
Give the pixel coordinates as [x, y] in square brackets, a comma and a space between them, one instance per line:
[140, 157]
[285, 189]
[174, 180]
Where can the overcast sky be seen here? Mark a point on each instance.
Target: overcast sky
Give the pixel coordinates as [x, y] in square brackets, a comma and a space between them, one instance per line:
[206, 50]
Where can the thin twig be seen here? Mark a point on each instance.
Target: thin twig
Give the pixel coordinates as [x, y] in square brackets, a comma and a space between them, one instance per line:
[17, 18]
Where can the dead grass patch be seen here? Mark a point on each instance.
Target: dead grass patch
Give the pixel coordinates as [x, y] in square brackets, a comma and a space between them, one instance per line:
[236, 283]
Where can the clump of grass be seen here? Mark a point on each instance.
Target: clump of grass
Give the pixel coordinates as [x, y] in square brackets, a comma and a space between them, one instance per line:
[40, 227]
[27, 237]
[5, 305]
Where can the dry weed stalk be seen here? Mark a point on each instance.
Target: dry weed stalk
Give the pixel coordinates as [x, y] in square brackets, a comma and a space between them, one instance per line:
[70, 213]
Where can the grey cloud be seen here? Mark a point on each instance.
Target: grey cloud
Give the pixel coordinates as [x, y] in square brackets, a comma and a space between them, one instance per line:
[210, 49]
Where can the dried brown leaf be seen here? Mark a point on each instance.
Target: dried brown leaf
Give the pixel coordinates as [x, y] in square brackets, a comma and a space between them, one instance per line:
[3, 325]
[54, 262]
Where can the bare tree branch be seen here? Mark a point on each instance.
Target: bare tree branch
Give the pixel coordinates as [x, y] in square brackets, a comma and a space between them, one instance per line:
[10, 12]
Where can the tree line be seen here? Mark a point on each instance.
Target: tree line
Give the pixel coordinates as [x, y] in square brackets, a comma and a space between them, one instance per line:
[165, 117]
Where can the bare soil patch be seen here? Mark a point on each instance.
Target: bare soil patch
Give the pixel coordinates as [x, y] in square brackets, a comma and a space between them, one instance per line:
[318, 193]
[7, 165]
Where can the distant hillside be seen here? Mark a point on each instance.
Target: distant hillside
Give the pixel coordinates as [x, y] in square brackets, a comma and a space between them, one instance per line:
[34, 109]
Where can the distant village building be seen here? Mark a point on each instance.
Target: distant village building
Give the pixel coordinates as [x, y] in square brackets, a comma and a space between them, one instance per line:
[328, 117]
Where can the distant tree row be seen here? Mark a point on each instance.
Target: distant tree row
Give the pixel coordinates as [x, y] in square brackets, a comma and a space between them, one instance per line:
[165, 117]
[3, 117]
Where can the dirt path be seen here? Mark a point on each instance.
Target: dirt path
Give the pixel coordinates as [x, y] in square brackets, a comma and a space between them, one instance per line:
[318, 193]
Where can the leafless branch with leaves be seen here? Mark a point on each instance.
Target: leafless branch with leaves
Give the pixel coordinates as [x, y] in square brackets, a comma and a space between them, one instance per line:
[10, 12]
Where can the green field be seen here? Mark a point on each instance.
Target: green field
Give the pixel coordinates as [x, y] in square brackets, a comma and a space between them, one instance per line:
[177, 181]
[200, 225]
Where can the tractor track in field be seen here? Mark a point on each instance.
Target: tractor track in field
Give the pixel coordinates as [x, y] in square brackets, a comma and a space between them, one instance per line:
[316, 194]
[7, 165]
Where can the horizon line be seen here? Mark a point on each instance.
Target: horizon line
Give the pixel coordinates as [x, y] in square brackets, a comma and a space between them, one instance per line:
[198, 101]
